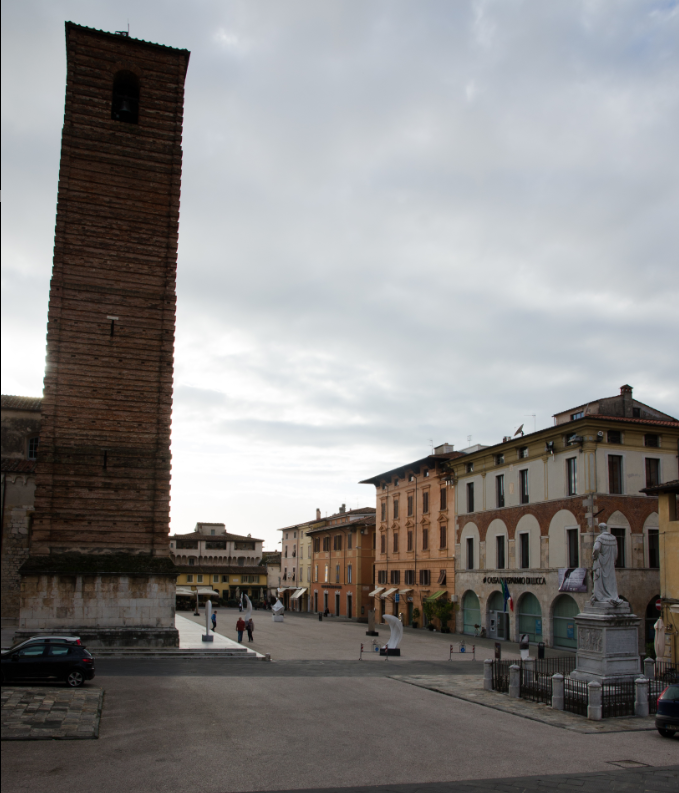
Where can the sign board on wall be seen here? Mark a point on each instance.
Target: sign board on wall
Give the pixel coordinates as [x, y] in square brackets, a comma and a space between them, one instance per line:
[572, 579]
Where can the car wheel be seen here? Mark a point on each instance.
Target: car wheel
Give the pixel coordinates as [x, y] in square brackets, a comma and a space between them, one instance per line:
[666, 733]
[75, 679]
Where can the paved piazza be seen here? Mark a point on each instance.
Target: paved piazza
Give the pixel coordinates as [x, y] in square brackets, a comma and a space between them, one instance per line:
[317, 718]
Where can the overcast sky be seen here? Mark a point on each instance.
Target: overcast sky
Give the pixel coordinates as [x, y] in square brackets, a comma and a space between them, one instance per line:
[400, 223]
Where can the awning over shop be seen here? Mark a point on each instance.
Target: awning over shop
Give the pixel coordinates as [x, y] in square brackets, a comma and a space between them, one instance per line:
[437, 595]
[183, 590]
[404, 591]
[389, 592]
[298, 594]
[375, 592]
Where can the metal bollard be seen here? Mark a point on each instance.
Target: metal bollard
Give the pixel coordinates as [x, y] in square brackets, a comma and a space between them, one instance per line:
[320, 616]
[515, 681]
[488, 674]
[641, 697]
[450, 656]
[360, 655]
[594, 704]
[557, 691]
[649, 668]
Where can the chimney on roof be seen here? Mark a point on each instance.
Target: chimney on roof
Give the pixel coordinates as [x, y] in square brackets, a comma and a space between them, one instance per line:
[318, 514]
[343, 508]
[626, 394]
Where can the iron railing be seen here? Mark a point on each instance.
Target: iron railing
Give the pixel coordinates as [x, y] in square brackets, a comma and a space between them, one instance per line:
[551, 666]
[536, 686]
[575, 696]
[667, 672]
[655, 689]
[617, 699]
[501, 675]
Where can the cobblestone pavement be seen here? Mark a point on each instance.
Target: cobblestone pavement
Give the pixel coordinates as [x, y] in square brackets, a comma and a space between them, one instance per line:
[637, 780]
[43, 714]
[470, 688]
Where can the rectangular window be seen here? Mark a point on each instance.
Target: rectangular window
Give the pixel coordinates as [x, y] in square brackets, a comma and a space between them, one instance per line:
[189, 578]
[523, 452]
[425, 578]
[652, 440]
[33, 448]
[425, 502]
[653, 548]
[409, 577]
[308, 575]
[619, 535]
[309, 551]
[572, 475]
[383, 543]
[395, 542]
[395, 509]
[327, 574]
[410, 506]
[317, 544]
[326, 543]
[381, 576]
[374, 540]
[383, 510]
[499, 459]
[410, 540]
[192, 561]
[469, 467]
[614, 436]
[615, 473]
[652, 472]
[443, 536]
[470, 553]
[315, 572]
[337, 542]
[350, 541]
[523, 485]
[573, 541]
[396, 577]
[337, 574]
[524, 549]
[200, 579]
[579, 415]
[444, 498]
[350, 577]
[215, 579]
[470, 496]
[425, 539]
[442, 577]
[500, 552]
[225, 579]
[500, 490]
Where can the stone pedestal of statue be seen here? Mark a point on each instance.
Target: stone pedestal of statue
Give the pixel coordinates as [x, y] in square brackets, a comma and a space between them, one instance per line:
[608, 646]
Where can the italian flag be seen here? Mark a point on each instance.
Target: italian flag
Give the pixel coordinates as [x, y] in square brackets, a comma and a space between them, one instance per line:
[505, 594]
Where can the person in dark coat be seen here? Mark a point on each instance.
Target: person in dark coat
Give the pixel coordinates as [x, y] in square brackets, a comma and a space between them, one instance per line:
[240, 627]
[250, 627]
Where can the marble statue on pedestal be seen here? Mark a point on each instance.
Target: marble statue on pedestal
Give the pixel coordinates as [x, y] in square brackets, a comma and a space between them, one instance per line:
[604, 555]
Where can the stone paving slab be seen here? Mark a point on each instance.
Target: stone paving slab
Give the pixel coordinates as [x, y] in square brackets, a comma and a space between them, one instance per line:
[45, 714]
[470, 688]
[637, 780]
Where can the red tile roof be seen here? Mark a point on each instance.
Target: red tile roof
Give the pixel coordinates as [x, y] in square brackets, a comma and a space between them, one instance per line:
[21, 403]
[655, 422]
[11, 465]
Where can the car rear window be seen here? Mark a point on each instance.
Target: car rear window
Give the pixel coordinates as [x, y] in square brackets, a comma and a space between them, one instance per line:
[671, 693]
[59, 649]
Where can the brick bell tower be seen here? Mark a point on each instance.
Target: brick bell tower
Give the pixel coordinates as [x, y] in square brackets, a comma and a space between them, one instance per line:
[99, 560]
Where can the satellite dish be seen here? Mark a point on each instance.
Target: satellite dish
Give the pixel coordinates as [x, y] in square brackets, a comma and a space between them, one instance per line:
[518, 431]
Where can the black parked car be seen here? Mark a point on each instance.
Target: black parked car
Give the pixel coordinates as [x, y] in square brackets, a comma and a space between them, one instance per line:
[667, 715]
[71, 663]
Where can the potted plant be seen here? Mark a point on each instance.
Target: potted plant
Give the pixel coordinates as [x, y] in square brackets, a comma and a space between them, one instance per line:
[416, 618]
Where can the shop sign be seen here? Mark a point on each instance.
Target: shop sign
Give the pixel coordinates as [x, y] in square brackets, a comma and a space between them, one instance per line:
[572, 579]
[519, 579]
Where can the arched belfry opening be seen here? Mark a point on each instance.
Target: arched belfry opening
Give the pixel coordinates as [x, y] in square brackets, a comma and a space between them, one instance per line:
[125, 99]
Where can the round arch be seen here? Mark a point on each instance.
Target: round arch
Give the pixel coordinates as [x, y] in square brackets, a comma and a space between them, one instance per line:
[471, 612]
[529, 613]
[564, 629]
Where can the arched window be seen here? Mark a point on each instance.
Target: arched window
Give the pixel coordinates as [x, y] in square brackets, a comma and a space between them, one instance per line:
[530, 617]
[125, 100]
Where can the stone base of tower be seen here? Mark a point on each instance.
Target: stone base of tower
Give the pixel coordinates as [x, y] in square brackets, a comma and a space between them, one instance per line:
[109, 600]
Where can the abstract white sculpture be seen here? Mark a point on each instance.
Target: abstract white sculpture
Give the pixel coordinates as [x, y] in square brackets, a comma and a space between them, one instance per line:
[396, 627]
[248, 610]
[277, 611]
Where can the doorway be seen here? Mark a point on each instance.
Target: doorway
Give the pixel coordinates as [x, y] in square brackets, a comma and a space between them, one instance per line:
[350, 611]
[316, 601]
[410, 613]
[337, 604]
[325, 602]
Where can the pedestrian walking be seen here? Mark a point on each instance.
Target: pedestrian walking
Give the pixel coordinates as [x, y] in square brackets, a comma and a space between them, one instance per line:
[214, 620]
[240, 627]
[250, 626]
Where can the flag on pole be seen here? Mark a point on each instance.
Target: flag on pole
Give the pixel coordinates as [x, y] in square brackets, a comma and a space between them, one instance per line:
[507, 597]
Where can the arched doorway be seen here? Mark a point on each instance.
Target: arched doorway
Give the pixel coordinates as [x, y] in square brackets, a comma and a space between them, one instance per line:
[530, 617]
[471, 612]
[564, 629]
[497, 620]
[651, 618]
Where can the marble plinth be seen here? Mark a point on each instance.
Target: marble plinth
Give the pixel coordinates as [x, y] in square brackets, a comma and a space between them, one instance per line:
[608, 644]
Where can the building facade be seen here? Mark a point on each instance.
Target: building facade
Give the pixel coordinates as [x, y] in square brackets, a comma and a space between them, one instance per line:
[414, 542]
[342, 564]
[527, 512]
[274, 576]
[20, 436]
[99, 560]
